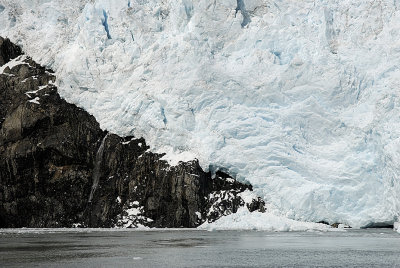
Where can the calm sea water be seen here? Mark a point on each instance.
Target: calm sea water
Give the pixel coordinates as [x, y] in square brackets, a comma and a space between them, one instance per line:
[193, 248]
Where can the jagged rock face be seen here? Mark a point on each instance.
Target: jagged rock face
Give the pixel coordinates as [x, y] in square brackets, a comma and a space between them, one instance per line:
[59, 169]
[47, 147]
[226, 198]
[8, 51]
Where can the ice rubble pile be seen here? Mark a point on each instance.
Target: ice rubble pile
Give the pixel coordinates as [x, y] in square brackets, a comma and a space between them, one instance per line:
[396, 227]
[301, 98]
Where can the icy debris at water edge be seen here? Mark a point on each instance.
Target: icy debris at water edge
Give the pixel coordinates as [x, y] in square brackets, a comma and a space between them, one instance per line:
[245, 220]
[396, 227]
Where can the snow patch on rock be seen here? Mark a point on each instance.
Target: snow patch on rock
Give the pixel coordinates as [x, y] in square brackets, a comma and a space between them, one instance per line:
[132, 216]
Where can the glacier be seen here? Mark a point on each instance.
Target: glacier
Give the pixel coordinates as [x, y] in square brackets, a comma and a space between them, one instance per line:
[299, 98]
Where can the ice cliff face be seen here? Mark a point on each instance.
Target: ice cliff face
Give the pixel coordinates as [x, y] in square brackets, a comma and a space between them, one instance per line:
[301, 98]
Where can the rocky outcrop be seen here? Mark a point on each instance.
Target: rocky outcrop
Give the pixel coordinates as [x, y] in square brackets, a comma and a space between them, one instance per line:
[59, 169]
[8, 51]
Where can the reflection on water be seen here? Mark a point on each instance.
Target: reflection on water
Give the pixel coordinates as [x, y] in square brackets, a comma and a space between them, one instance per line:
[193, 248]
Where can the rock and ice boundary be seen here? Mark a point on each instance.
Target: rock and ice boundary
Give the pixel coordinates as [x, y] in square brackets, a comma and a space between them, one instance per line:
[300, 98]
[59, 169]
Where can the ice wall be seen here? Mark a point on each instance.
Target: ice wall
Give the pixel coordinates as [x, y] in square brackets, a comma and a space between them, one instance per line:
[301, 98]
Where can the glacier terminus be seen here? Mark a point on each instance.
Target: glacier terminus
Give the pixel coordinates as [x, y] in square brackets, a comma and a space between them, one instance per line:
[299, 98]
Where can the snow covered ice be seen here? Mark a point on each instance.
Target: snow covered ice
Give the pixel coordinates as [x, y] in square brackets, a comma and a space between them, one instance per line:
[300, 98]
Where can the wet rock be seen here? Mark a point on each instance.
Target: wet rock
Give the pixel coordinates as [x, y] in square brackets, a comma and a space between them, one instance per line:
[59, 169]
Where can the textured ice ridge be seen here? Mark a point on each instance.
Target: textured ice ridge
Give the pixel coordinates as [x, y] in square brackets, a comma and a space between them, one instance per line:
[301, 98]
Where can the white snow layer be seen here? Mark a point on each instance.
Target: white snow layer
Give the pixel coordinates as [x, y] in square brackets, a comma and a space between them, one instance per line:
[300, 98]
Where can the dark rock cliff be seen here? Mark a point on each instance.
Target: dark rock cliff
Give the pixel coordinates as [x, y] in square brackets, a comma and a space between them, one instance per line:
[59, 169]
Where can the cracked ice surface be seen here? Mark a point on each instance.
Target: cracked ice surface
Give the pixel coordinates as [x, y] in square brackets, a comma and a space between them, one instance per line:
[301, 98]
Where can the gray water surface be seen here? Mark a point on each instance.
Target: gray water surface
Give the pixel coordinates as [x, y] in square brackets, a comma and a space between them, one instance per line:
[194, 248]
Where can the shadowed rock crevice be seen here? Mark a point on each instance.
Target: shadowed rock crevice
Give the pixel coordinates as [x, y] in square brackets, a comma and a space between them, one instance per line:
[59, 169]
